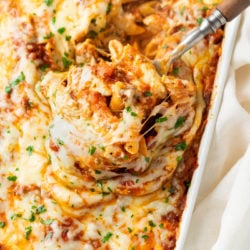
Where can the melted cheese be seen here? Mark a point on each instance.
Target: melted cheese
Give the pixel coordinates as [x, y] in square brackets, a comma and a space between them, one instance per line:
[93, 141]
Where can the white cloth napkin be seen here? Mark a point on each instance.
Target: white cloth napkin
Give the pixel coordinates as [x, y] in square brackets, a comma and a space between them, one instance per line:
[221, 219]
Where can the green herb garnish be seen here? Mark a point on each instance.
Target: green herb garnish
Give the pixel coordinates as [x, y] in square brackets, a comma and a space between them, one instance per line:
[67, 38]
[98, 172]
[176, 71]
[53, 20]
[108, 9]
[60, 142]
[48, 2]
[41, 209]
[145, 237]
[147, 93]
[46, 222]
[92, 150]
[106, 237]
[151, 223]
[199, 20]
[14, 83]
[32, 217]
[12, 178]
[92, 34]
[179, 122]
[66, 62]
[48, 36]
[161, 119]
[2, 224]
[28, 231]
[181, 146]
[61, 30]
[30, 149]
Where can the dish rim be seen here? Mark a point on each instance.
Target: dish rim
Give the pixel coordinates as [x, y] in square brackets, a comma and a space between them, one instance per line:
[231, 30]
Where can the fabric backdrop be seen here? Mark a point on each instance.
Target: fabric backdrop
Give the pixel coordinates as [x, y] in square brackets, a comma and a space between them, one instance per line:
[221, 218]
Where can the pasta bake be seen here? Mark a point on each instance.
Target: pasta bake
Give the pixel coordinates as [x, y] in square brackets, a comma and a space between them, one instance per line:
[97, 149]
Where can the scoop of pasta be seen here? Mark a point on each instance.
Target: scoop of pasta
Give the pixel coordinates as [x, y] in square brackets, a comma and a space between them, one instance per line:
[116, 123]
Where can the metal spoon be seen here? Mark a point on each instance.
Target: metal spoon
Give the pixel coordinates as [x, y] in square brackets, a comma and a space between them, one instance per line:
[224, 12]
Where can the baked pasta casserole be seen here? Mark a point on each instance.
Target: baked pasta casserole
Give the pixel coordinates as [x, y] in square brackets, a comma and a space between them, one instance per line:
[97, 149]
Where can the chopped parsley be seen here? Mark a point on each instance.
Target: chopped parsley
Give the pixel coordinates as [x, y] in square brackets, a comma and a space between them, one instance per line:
[14, 216]
[101, 147]
[32, 217]
[48, 36]
[128, 109]
[179, 122]
[92, 34]
[44, 67]
[183, 28]
[53, 20]
[161, 119]
[98, 172]
[147, 159]
[179, 158]
[130, 229]
[60, 142]
[199, 20]
[106, 237]
[2, 224]
[28, 231]
[46, 222]
[151, 223]
[166, 200]
[123, 209]
[145, 237]
[171, 190]
[61, 30]
[67, 38]
[181, 146]
[30, 149]
[204, 8]
[102, 29]
[8, 89]
[48, 2]
[147, 93]
[92, 150]
[14, 83]
[108, 9]
[182, 10]
[93, 21]
[66, 62]
[12, 178]
[137, 180]
[187, 183]
[161, 225]
[176, 71]
[41, 209]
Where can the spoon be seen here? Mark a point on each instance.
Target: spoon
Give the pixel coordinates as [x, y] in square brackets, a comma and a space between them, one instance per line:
[226, 11]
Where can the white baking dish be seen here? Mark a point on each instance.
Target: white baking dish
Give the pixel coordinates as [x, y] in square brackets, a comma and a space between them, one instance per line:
[220, 81]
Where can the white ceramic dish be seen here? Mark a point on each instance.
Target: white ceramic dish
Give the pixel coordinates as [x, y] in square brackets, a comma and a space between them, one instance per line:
[220, 81]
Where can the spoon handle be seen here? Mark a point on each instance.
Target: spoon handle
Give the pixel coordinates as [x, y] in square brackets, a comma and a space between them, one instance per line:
[224, 12]
[232, 8]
